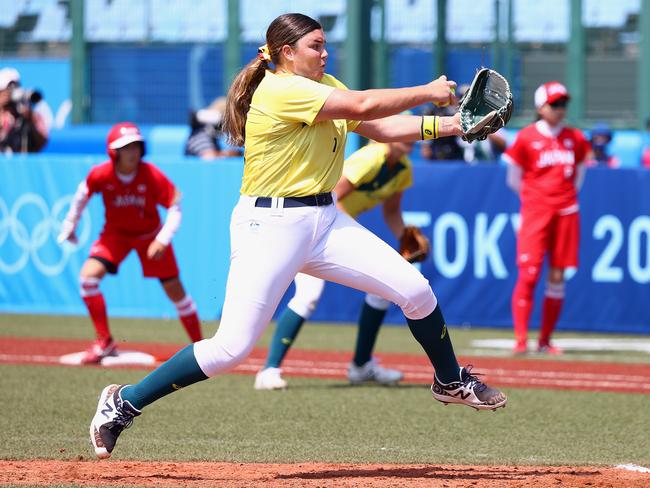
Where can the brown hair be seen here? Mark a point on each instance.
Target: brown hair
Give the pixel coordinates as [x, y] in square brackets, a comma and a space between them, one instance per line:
[286, 29]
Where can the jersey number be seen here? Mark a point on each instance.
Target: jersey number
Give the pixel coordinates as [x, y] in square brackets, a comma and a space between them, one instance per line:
[334, 148]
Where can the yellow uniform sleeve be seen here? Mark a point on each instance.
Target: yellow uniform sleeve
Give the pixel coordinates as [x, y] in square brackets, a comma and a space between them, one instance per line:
[374, 181]
[330, 80]
[363, 165]
[299, 99]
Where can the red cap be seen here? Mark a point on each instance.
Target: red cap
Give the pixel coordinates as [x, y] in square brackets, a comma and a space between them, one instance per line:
[550, 92]
[121, 135]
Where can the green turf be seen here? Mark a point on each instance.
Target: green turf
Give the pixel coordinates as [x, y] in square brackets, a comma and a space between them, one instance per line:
[46, 411]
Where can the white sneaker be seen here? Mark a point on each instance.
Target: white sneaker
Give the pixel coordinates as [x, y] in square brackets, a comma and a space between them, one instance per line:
[371, 371]
[270, 379]
[112, 416]
[469, 390]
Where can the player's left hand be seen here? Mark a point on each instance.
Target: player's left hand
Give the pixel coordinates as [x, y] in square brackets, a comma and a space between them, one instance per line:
[156, 250]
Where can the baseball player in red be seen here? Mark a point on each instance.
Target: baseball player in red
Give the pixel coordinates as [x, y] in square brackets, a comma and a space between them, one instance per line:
[131, 189]
[546, 169]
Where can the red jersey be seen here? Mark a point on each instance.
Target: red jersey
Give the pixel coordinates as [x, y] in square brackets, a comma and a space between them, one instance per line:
[549, 165]
[131, 208]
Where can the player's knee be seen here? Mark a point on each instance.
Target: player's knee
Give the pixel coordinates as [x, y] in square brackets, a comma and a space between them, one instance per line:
[526, 280]
[215, 357]
[529, 273]
[420, 300]
[556, 275]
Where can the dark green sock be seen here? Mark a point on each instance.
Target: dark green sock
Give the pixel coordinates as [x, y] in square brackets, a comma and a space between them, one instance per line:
[286, 330]
[432, 334]
[370, 320]
[179, 371]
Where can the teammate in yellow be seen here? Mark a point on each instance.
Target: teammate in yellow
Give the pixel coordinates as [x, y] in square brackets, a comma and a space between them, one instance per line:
[376, 173]
[293, 121]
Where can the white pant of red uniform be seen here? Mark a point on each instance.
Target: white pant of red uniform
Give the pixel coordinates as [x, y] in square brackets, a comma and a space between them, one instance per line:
[269, 246]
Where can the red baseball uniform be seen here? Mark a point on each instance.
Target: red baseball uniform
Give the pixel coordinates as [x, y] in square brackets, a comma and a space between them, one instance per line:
[549, 203]
[132, 219]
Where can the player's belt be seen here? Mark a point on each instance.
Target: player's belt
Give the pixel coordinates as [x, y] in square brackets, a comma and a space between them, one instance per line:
[309, 201]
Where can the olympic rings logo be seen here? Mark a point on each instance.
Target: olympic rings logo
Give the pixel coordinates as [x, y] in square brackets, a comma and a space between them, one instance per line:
[28, 231]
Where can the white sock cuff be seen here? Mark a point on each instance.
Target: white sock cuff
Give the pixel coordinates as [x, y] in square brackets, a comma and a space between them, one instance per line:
[89, 287]
[377, 302]
[300, 308]
[554, 290]
[185, 306]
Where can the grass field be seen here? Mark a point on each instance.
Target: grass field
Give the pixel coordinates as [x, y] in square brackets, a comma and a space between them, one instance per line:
[46, 411]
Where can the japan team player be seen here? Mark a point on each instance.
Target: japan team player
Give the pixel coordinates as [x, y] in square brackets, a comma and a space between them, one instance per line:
[376, 173]
[292, 119]
[546, 169]
[131, 189]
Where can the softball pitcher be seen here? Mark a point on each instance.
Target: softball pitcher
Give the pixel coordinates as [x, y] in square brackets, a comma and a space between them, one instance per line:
[374, 174]
[293, 121]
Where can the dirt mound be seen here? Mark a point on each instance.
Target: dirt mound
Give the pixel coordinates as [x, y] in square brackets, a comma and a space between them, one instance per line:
[202, 474]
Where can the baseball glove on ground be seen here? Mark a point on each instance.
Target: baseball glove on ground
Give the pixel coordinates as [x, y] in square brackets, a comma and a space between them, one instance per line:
[413, 245]
[486, 106]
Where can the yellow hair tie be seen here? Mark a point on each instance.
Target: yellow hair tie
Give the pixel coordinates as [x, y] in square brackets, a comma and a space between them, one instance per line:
[263, 53]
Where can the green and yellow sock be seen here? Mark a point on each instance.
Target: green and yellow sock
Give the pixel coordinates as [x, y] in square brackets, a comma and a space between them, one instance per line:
[370, 321]
[432, 334]
[286, 330]
[179, 371]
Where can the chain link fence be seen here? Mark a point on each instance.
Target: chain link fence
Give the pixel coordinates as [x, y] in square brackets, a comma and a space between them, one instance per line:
[154, 60]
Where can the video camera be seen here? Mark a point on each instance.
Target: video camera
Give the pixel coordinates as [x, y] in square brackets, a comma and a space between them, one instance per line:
[206, 117]
[22, 97]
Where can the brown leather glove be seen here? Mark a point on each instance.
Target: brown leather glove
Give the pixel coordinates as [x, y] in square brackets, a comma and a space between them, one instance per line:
[413, 245]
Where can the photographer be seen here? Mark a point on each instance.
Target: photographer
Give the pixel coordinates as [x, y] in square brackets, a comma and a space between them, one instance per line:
[204, 140]
[21, 128]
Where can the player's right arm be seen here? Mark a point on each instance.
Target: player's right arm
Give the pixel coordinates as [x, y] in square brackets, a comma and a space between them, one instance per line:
[77, 206]
[513, 177]
[392, 210]
[342, 189]
[170, 227]
[406, 128]
[515, 156]
[380, 103]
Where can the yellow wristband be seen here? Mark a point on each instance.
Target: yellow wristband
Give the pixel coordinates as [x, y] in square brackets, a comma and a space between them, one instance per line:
[430, 127]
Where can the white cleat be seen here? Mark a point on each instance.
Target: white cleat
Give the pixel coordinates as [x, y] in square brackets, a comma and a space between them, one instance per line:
[372, 372]
[112, 416]
[470, 391]
[270, 379]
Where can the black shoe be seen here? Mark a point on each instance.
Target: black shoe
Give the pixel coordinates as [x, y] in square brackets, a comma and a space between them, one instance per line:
[113, 415]
[468, 391]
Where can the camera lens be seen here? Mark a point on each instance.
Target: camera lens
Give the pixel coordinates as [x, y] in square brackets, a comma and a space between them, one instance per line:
[35, 96]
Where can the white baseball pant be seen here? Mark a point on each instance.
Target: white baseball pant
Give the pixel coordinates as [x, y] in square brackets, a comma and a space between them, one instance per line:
[309, 289]
[269, 246]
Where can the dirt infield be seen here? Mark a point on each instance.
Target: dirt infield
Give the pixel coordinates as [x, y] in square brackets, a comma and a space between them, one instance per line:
[511, 372]
[505, 372]
[159, 474]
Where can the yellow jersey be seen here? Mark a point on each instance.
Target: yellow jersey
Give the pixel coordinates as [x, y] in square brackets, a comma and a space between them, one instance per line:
[285, 153]
[373, 180]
